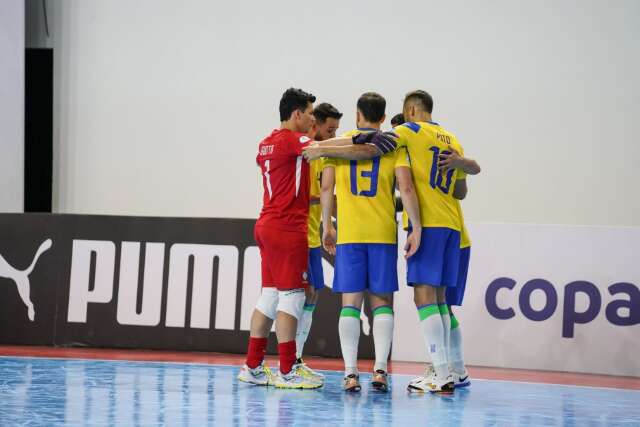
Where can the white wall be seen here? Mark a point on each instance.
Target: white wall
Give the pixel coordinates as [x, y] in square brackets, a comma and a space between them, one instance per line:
[160, 104]
[12, 106]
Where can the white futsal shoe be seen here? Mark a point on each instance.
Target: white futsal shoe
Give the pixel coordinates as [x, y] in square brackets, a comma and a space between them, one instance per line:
[260, 375]
[295, 379]
[306, 371]
[432, 384]
[429, 374]
[461, 379]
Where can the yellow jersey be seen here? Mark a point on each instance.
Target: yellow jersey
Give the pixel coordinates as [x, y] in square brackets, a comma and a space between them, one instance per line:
[315, 211]
[465, 241]
[365, 196]
[425, 141]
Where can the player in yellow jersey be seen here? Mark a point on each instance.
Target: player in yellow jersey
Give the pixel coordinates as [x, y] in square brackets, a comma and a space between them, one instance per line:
[454, 295]
[366, 242]
[435, 266]
[327, 120]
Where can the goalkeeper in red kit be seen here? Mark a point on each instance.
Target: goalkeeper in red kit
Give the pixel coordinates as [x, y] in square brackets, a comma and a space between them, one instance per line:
[281, 235]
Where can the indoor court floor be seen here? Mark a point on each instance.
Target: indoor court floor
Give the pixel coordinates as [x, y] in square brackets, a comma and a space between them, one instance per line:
[55, 387]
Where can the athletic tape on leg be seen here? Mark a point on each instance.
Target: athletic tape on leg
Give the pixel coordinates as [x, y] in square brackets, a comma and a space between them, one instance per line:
[268, 302]
[291, 302]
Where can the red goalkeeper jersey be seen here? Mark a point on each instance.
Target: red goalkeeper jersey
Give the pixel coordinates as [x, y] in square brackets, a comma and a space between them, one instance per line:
[285, 179]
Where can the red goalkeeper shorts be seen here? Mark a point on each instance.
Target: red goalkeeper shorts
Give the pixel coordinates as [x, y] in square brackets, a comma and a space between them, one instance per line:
[285, 257]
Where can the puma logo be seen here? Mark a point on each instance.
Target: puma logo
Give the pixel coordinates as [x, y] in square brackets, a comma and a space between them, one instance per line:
[21, 277]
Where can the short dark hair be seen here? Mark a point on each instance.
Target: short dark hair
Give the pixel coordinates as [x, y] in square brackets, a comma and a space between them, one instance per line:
[372, 106]
[292, 100]
[397, 120]
[422, 98]
[324, 111]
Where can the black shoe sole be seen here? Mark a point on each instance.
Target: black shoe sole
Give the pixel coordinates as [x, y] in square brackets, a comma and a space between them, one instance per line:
[413, 389]
[380, 386]
[447, 389]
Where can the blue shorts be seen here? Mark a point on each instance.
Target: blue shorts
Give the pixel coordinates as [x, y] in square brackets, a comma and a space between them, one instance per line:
[456, 294]
[436, 262]
[315, 275]
[366, 266]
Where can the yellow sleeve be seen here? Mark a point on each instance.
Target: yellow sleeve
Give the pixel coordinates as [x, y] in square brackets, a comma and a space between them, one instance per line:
[403, 135]
[402, 158]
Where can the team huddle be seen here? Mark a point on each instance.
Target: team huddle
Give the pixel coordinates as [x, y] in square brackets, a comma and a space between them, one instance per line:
[311, 176]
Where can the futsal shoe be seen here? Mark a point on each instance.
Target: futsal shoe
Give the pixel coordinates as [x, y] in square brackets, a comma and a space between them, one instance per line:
[432, 384]
[429, 373]
[419, 382]
[306, 371]
[294, 379]
[441, 386]
[380, 380]
[351, 383]
[461, 379]
[419, 385]
[260, 375]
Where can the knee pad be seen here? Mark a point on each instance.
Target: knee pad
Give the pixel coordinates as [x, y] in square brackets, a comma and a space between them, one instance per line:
[291, 302]
[268, 302]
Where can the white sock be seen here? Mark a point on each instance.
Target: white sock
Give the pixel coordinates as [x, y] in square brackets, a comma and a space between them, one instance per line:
[304, 325]
[349, 329]
[446, 324]
[433, 330]
[382, 335]
[456, 359]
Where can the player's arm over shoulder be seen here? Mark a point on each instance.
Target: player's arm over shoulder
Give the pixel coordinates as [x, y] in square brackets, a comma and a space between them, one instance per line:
[365, 146]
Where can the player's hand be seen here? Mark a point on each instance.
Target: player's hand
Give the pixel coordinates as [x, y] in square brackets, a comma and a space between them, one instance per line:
[363, 137]
[329, 237]
[449, 160]
[385, 142]
[312, 152]
[413, 243]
